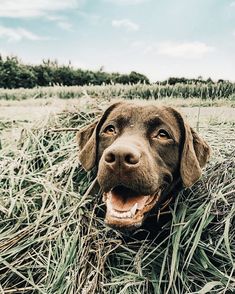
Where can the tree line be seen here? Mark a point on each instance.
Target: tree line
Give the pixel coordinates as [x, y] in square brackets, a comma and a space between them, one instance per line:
[15, 74]
[181, 80]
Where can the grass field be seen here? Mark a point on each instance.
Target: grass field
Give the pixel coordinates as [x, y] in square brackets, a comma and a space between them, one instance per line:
[52, 235]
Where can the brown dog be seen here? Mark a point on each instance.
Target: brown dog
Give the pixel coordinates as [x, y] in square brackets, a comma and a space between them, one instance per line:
[144, 154]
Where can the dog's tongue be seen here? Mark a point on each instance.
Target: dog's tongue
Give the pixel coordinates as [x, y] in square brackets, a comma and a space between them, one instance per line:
[123, 199]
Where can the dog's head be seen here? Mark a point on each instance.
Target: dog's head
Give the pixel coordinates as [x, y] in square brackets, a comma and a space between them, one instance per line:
[141, 152]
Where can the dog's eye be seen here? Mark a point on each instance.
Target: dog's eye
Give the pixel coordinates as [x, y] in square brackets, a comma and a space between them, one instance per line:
[109, 130]
[162, 135]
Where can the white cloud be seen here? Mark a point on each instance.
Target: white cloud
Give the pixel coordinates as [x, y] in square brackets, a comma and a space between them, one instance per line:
[17, 34]
[184, 49]
[65, 25]
[126, 2]
[232, 4]
[34, 8]
[137, 44]
[52, 17]
[125, 23]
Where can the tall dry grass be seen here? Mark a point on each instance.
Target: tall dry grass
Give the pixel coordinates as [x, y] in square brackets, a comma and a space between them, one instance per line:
[53, 238]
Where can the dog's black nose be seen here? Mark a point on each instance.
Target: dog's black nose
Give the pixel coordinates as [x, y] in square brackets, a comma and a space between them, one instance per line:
[122, 156]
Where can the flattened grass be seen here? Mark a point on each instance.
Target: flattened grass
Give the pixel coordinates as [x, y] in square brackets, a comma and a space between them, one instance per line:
[53, 238]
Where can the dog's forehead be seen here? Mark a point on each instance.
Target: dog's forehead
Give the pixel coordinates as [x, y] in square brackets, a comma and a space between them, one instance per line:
[142, 114]
[134, 111]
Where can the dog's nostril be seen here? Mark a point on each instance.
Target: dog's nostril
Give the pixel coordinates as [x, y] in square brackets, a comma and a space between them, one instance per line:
[109, 157]
[132, 158]
[167, 178]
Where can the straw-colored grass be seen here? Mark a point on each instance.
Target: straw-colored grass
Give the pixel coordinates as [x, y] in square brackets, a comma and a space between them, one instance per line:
[53, 238]
[210, 92]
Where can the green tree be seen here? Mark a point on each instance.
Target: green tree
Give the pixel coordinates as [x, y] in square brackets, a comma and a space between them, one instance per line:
[15, 74]
[136, 77]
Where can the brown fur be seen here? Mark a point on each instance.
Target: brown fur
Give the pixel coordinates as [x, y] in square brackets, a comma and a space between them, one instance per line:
[158, 164]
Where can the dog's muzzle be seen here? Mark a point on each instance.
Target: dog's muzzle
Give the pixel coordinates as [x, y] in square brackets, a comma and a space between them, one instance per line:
[127, 208]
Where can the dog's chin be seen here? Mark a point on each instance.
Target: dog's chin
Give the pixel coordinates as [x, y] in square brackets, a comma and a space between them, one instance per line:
[126, 209]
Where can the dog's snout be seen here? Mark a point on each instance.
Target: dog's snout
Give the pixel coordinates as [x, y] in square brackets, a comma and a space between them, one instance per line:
[132, 158]
[110, 157]
[122, 156]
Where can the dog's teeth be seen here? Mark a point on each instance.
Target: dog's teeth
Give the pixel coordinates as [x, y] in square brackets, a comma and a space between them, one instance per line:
[109, 205]
[133, 209]
[127, 214]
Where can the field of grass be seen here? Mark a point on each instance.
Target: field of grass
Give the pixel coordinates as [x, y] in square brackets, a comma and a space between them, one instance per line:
[52, 235]
[209, 91]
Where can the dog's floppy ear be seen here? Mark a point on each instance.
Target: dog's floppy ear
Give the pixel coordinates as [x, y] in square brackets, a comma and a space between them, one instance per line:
[195, 154]
[88, 137]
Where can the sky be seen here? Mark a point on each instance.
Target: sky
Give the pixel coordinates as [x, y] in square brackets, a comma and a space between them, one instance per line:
[159, 38]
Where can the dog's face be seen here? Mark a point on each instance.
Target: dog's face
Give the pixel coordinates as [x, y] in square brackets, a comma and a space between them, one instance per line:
[141, 152]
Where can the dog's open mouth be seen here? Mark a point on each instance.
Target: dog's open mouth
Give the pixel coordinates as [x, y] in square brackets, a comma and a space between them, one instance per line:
[126, 207]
